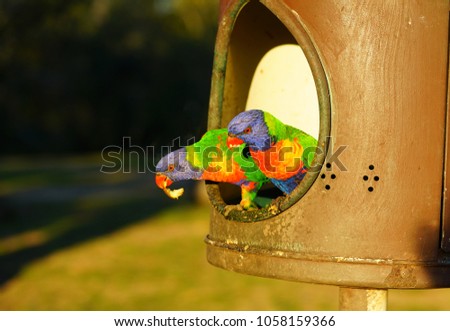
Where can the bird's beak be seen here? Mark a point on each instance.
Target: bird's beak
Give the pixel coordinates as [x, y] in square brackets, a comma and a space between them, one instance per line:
[162, 181]
[233, 141]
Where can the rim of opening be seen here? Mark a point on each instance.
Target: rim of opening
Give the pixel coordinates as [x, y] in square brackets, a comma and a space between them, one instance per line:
[292, 22]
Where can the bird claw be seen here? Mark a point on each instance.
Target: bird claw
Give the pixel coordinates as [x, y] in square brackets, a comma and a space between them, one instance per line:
[273, 209]
[248, 205]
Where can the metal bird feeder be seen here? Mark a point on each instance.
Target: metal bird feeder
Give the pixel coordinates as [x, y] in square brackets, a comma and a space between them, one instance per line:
[374, 213]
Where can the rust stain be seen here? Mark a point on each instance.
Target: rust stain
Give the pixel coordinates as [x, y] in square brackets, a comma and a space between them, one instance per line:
[401, 276]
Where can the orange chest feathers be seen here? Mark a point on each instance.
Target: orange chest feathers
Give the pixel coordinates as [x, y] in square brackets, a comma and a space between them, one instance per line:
[281, 161]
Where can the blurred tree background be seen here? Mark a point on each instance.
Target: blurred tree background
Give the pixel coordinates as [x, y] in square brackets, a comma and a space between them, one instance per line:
[78, 75]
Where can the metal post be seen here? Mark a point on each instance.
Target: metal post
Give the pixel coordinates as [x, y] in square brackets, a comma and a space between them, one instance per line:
[362, 299]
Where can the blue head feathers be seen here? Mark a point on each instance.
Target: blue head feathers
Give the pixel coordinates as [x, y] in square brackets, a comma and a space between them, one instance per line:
[250, 127]
[176, 167]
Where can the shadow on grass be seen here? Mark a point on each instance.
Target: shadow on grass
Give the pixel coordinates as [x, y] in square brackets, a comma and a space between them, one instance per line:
[81, 225]
[32, 228]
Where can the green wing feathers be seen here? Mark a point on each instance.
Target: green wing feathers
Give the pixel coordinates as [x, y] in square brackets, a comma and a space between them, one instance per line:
[308, 142]
[281, 131]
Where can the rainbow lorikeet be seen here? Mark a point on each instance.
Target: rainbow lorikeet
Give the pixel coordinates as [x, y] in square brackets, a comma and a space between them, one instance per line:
[283, 153]
[211, 159]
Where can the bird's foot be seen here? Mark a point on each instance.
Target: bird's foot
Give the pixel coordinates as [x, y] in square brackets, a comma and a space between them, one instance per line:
[248, 205]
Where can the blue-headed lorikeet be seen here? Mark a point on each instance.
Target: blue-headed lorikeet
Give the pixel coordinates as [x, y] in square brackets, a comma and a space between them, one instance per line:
[211, 159]
[283, 153]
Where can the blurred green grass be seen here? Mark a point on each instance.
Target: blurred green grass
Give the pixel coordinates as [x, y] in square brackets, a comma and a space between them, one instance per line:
[72, 238]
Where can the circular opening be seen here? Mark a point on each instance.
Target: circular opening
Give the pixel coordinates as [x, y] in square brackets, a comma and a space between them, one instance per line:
[277, 70]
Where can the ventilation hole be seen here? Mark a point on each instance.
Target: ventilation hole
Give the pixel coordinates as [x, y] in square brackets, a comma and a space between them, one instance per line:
[323, 176]
[327, 187]
[371, 167]
[333, 176]
[328, 165]
[370, 189]
[366, 178]
[376, 178]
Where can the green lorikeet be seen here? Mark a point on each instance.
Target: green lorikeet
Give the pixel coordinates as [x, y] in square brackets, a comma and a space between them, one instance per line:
[282, 152]
[211, 159]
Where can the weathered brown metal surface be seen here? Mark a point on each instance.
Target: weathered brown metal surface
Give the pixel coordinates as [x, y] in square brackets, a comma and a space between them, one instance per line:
[376, 222]
[445, 197]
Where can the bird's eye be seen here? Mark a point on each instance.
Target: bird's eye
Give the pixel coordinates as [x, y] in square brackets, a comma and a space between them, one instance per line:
[171, 168]
[248, 130]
